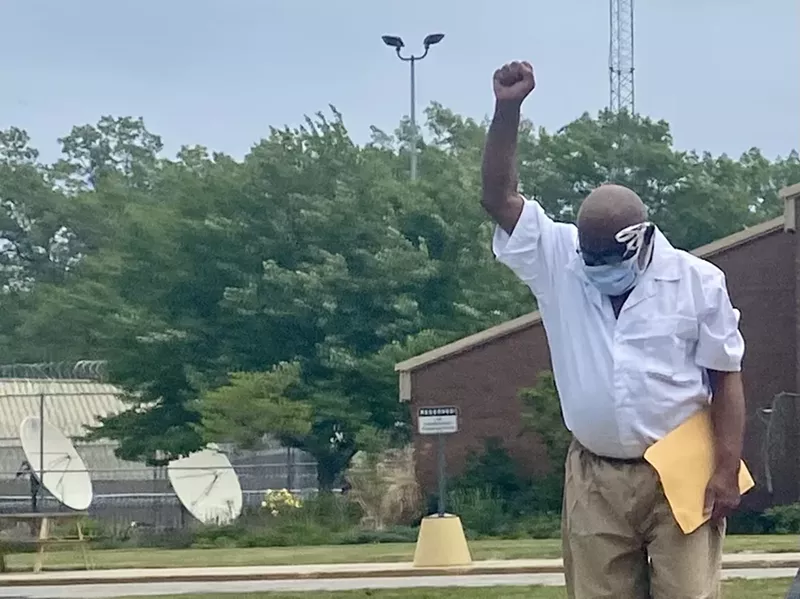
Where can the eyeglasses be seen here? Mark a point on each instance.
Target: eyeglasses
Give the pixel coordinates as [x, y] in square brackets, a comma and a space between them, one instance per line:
[609, 257]
[629, 242]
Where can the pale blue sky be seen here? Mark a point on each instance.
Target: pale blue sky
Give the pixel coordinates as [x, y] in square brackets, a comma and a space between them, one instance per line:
[725, 73]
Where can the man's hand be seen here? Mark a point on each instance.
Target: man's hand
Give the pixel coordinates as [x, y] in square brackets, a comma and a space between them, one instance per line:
[722, 493]
[513, 82]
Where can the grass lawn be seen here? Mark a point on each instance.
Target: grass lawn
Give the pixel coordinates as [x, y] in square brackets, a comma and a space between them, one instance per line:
[385, 552]
[740, 589]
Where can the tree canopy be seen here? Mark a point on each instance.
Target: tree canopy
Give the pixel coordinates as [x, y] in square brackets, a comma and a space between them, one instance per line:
[272, 295]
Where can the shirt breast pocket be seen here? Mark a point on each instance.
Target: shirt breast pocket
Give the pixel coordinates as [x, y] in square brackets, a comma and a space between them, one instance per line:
[663, 347]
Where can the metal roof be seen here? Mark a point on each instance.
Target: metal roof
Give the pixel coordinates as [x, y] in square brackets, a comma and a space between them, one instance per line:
[69, 405]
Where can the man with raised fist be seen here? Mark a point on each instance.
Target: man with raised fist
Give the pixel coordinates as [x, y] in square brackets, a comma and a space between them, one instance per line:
[642, 337]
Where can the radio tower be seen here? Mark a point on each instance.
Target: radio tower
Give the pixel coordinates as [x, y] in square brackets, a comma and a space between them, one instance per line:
[620, 56]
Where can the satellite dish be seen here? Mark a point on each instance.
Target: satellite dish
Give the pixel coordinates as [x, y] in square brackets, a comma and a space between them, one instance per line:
[62, 471]
[207, 486]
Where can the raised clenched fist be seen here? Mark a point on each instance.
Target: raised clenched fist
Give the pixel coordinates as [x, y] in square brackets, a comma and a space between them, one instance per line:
[514, 81]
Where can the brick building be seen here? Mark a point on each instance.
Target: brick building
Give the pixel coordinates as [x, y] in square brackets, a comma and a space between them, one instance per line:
[482, 374]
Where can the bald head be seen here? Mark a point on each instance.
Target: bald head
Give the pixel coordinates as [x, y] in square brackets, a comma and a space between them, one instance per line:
[606, 211]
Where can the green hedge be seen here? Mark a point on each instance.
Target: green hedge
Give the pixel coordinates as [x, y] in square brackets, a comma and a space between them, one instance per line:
[492, 497]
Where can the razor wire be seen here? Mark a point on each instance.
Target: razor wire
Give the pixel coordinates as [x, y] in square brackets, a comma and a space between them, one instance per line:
[94, 370]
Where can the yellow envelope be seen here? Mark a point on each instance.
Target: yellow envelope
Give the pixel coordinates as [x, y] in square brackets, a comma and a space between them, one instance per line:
[684, 460]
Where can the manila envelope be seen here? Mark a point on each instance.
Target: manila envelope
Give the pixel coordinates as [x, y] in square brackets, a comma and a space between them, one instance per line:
[684, 460]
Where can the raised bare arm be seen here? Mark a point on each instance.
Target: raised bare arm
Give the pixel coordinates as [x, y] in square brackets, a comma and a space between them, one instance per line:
[512, 84]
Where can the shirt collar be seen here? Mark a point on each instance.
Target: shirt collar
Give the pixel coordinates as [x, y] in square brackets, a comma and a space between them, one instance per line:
[664, 265]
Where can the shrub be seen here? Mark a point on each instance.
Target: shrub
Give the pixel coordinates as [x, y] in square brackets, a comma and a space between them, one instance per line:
[541, 526]
[396, 534]
[494, 472]
[279, 502]
[288, 534]
[781, 519]
[748, 522]
[784, 519]
[481, 511]
[542, 495]
[164, 539]
[332, 511]
[383, 482]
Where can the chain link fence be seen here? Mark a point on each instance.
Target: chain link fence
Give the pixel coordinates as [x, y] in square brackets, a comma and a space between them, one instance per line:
[139, 495]
[71, 396]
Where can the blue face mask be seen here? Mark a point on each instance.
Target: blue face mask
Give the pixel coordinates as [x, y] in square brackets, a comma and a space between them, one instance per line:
[614, 279]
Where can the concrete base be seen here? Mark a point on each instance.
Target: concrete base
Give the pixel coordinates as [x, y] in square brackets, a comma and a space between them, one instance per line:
[441, 542]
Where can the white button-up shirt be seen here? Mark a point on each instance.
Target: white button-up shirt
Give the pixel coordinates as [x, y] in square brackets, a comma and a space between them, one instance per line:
[625, 382]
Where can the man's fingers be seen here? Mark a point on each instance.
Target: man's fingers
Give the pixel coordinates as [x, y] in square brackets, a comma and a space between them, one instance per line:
[721, 511]
[512, 72]
[718, 512]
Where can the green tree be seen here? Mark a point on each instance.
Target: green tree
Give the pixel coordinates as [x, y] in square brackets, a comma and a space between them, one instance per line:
[120, 146]
[694, 198]
[196, 277]
[254, 406]
[312, 251]
[35, 243]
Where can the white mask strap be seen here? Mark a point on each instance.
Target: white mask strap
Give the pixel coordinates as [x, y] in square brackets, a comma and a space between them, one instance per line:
[634, 239]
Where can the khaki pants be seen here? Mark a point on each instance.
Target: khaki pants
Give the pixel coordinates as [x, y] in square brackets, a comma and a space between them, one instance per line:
[621, 540]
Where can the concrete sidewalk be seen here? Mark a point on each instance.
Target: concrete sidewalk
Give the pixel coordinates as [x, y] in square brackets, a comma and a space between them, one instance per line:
[739, 561]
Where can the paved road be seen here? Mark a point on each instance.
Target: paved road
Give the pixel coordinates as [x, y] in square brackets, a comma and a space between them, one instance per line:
[106, 591]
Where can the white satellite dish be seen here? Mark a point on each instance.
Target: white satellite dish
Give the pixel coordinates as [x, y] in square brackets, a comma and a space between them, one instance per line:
[207, 486]
[62, 471]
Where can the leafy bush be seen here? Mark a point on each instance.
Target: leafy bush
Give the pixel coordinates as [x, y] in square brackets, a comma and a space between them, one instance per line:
[748, 522]
[781, 519]
[540, 526]
[321, 519]
[493, 498]
[396, 534]
[784, 519]
[332, 511]
[288, 534]
[164, 539]
[494, 472]
[277, 502]
[541, 495]
[482, 511]
[383, 481]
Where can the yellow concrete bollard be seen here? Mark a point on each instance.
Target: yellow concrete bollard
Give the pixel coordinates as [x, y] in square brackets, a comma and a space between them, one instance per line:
[441, 543]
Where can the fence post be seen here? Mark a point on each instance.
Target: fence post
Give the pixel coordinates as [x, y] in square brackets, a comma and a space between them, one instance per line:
[289, 468]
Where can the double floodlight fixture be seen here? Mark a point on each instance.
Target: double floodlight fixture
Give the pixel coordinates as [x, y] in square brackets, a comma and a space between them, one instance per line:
[396, 42]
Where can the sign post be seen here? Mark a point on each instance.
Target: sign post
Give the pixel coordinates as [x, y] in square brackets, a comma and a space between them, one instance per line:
[439, 421]
[441, 541]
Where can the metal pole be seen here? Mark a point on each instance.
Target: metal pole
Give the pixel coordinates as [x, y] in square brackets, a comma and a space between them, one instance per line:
[441, 475]
[41, 446]
[396, 42]
[289, 469]
[413, 62]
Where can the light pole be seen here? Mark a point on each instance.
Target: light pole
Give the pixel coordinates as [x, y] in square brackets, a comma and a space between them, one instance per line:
[397, 43]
